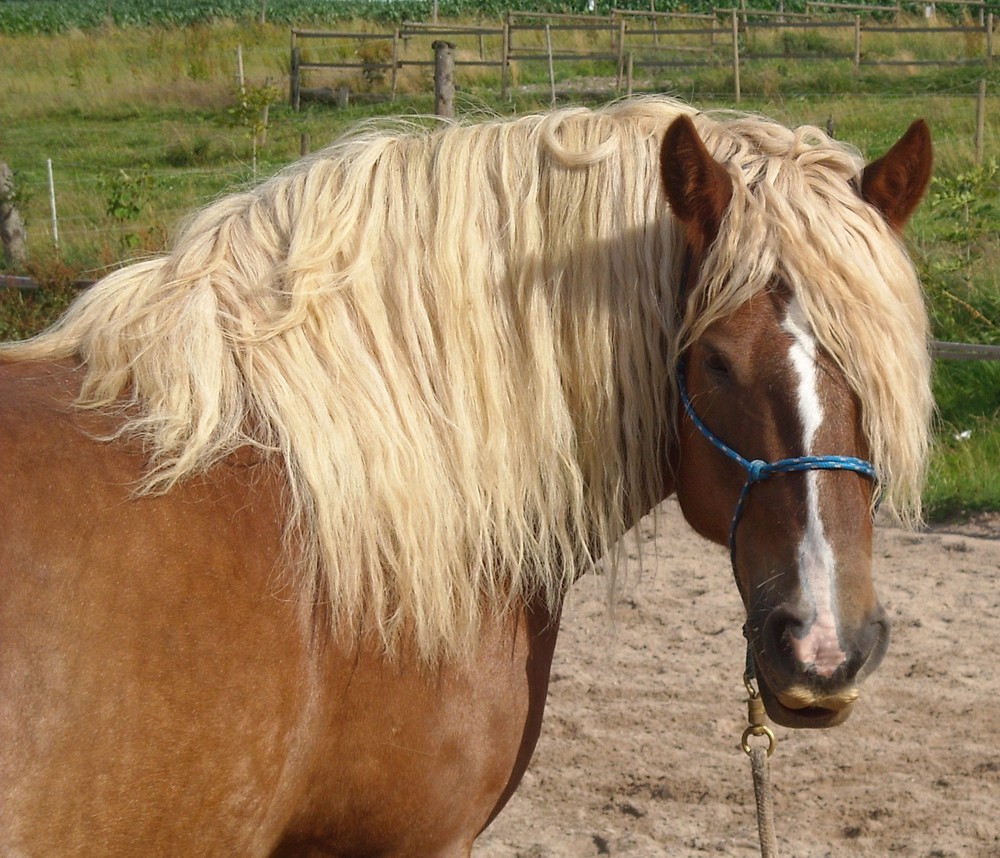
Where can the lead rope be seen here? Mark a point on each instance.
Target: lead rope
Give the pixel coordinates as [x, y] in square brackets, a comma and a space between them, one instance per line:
[759, 765]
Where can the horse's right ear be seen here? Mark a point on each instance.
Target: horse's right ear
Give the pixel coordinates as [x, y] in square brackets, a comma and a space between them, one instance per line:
[895, 183]
[697, 186]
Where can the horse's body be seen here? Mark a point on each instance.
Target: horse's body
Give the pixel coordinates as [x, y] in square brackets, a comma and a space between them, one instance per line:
[187, 664]
[219, 720]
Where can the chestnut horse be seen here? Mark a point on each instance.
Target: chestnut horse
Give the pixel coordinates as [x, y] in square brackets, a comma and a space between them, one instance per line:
[289, 513]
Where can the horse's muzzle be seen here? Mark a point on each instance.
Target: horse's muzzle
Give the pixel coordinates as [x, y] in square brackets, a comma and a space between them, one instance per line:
[799, 693]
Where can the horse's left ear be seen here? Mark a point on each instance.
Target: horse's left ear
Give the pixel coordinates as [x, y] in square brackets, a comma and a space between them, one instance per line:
[895, 183]
[697, 186]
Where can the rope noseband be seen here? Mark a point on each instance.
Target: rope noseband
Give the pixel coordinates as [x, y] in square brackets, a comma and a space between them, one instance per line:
[758, 470]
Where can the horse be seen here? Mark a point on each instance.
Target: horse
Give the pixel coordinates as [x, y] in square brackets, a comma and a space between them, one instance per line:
[289, 512]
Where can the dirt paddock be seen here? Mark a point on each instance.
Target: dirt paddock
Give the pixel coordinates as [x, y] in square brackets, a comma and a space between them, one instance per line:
[639, 753]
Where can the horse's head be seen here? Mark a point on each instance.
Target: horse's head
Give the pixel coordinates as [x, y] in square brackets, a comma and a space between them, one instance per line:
[760, 382]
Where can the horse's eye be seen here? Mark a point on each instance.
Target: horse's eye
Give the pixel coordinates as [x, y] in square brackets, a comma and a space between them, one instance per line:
[717, 366]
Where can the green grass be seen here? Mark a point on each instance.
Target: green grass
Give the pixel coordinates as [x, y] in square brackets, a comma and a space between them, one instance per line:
[957, 248]
[964, 477]
[143, 125]
[22, 312]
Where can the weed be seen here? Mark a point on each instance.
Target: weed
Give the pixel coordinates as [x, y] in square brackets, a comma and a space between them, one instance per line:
[23, 312]
[252, 112]
[126, 196]
[374, 54]
[189, 153]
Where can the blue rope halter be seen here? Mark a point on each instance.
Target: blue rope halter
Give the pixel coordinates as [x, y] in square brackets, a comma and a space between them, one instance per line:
[758, 470]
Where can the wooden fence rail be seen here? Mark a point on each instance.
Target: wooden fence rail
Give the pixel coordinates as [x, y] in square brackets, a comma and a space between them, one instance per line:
[964, 351]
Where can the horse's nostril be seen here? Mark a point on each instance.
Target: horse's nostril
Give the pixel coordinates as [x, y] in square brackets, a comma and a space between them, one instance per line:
[803, 646]
[794, 629]
[783, 626]
[873, 641]
[796, 646]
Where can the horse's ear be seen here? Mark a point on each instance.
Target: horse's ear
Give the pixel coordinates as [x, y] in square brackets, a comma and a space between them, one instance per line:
[895, 183]
[697, 186]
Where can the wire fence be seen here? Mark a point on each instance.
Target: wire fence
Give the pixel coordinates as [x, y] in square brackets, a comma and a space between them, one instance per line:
[67, 202]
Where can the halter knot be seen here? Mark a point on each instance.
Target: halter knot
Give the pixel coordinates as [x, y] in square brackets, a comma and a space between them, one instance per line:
[757, 470]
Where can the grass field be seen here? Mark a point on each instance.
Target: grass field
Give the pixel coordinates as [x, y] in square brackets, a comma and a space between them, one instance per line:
[144, 124]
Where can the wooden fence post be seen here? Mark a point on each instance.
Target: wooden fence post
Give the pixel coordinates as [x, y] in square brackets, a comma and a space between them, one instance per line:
[989, 39]
[621, 55]
[857, 43]
[552, 70]
[736, 56]
[294, 94]
[395, 61]
[505, 61]
[444, 79]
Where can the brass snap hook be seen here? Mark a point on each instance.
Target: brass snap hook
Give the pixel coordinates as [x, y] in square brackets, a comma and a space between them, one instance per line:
[757, 717]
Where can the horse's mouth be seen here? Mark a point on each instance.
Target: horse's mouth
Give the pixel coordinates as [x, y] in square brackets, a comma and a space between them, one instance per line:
[800, 708]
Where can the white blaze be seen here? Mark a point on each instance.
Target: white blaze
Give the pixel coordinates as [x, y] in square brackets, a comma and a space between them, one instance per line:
[821, 645]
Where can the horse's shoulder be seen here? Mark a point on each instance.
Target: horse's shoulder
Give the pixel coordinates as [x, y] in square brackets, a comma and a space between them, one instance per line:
[37, 400]
[62, 462]
[25, 383]
[38, 407]
[46, 439]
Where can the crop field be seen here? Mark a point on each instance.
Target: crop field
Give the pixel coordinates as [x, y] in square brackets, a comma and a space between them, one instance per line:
[137, 108]
[52, 16]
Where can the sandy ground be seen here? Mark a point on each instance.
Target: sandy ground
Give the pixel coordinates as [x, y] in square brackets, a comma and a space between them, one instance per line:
[639, 753]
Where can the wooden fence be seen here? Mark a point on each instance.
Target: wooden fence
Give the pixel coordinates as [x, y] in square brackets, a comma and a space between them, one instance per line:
[390, 54]
[626, 40]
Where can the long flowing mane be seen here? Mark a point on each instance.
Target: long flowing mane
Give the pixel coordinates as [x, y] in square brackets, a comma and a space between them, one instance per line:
[458, 343]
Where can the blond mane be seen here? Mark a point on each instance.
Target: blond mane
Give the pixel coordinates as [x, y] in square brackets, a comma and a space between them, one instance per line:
[458, 344]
